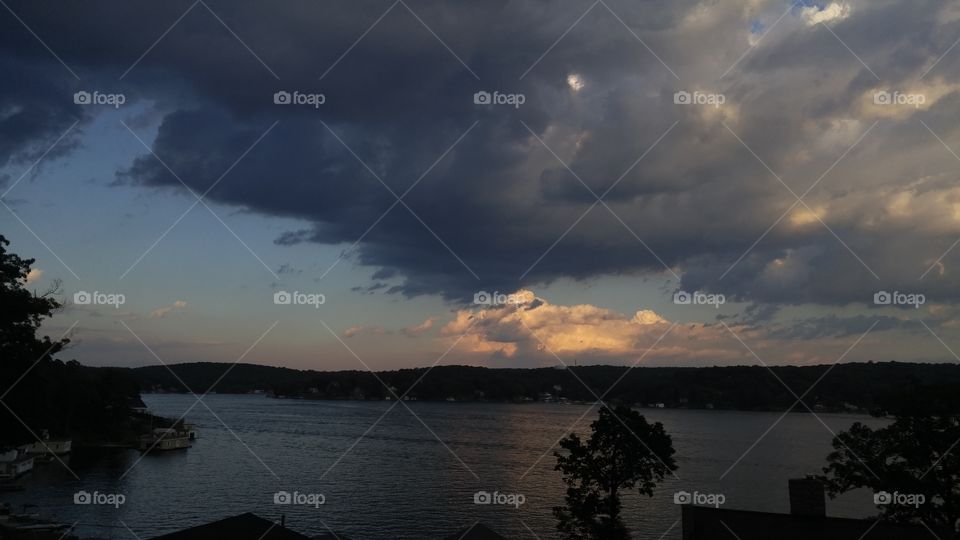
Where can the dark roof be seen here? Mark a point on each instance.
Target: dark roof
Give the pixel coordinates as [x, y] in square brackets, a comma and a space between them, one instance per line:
[478, 531]
[242, 527]
[701, 523]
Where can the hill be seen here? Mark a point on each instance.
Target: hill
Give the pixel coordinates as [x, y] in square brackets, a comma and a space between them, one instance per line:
[853, 386]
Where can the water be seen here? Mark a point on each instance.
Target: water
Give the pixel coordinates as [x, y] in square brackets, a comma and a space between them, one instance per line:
[399, 481]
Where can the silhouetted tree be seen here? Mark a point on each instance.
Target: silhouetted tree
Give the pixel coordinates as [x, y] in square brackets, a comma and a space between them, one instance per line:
[39, 392]
[20, 348]
[623, 452]
[23, 311]
[918, 454]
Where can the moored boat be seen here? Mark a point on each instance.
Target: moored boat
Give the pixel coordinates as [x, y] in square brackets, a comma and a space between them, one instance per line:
[47, 449]
[14, 463]
[164, 439]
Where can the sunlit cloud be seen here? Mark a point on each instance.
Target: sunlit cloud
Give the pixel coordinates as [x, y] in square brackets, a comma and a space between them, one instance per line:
[831, 12]
[34, 275]
[162, 312]
[421, 328]
[575, 82]
[550, 333]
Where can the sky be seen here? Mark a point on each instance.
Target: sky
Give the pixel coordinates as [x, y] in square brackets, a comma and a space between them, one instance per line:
[389, 184]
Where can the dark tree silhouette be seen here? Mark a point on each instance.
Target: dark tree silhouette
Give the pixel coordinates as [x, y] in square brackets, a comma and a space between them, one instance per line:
[20, 348]
[23, 311]
[40, 393]
[917, 454]
[623, 452]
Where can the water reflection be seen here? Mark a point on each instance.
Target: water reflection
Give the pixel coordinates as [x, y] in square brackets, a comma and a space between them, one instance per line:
[397, 481]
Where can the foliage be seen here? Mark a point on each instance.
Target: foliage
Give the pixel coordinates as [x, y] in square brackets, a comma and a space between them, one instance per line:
[624, 452]
[40, 393]
[917, 454]
[23, 311]
[860, 385]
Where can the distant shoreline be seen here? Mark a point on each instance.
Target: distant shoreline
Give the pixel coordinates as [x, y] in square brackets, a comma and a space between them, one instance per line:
[856, 412]
[860, 388]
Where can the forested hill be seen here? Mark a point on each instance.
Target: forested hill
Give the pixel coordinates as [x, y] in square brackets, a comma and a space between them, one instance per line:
[854, 386]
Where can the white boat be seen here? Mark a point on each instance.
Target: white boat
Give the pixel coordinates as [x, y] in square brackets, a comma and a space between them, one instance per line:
[14, 463]
[164, 439]
[48, 448]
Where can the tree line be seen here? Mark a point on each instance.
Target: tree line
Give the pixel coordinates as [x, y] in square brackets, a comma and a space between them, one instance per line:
[860, 386]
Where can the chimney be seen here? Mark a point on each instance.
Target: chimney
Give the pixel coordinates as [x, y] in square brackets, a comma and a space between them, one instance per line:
[807, 497]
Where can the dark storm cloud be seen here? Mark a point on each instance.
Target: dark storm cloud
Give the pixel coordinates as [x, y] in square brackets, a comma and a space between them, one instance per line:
[34, 112]
[493, 208]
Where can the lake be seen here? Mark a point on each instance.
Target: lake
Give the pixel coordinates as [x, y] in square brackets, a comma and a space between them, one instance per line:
[397, 480]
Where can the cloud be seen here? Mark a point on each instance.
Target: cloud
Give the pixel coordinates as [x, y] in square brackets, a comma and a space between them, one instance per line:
[162, 312]
[539, 332]
[369, 330]
[287, 268]
[831, 12]
[501, 211]
[421, 328]
[32, 276]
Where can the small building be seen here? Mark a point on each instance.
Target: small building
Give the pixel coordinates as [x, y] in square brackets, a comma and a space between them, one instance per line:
[807, 520]
[243, 527]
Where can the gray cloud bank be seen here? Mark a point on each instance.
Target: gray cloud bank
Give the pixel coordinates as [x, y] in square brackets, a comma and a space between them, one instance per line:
[883, 205]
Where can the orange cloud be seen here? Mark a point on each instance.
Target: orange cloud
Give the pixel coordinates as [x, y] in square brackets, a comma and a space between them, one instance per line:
[563, 334]
[418, 329]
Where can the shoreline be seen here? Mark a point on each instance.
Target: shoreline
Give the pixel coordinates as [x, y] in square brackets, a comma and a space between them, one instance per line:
[825, 410]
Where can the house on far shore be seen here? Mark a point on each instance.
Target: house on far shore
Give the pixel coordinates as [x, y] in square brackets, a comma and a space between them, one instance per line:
[807, 520]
